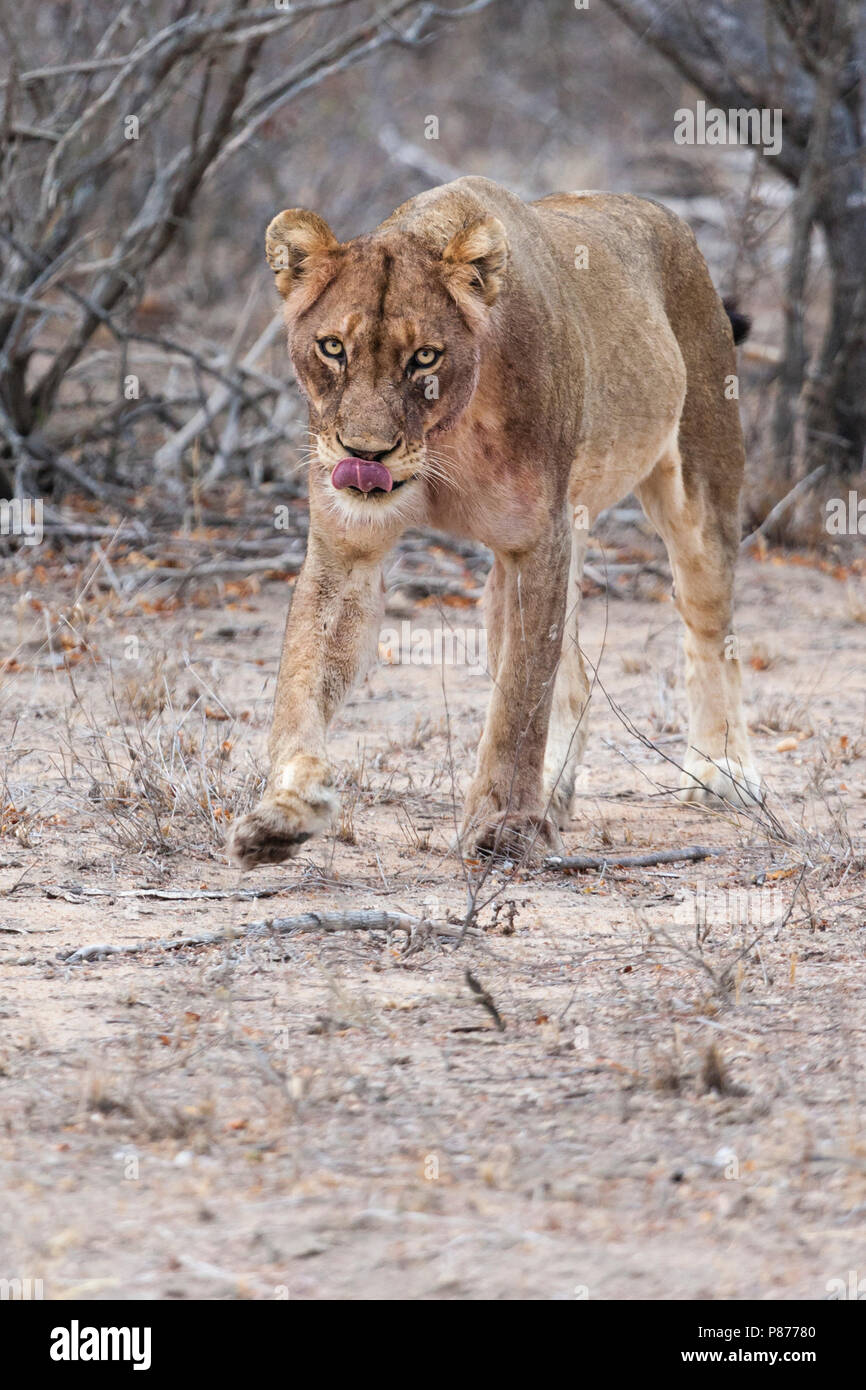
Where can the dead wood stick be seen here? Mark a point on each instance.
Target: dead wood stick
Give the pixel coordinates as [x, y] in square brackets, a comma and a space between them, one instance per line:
[629, 861]
[177, 545]
[611, 571]
[595, 575]
[429, 585]
[423, 537]
[639, 567]
[782, 506]
[290, 560]
[363, 920]
[76, 893]
[57, 525]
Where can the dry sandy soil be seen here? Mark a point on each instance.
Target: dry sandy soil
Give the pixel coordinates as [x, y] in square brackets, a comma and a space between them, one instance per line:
[673, 1106]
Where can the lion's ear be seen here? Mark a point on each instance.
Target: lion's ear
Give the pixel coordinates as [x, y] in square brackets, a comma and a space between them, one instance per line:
[299, 246]
[475, 260]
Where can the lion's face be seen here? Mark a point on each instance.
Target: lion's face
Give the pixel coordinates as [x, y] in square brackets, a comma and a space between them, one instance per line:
[386, 335]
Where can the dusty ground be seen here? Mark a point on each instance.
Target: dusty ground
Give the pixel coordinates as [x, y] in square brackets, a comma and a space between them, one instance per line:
[675, 1105]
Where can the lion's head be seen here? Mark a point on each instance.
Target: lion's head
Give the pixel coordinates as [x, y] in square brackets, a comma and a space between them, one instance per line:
[385, 336]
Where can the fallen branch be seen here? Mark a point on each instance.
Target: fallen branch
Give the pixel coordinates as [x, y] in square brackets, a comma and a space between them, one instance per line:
[784, 504]
[595, 576]
[288, 561]
[364, 920]
[630, 861]
[429, 585]
[75, 893]
[604, 578]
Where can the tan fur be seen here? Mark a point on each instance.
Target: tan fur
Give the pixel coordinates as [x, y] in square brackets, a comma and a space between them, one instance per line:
[562, 386]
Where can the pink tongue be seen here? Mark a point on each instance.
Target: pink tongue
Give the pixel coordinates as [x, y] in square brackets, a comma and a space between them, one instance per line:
[362, 474]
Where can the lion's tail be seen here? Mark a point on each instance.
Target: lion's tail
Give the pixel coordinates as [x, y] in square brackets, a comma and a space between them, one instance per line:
[740, 323]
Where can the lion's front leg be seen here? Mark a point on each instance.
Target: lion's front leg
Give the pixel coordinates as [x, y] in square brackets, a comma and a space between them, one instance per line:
[505, 813]
[330, 640]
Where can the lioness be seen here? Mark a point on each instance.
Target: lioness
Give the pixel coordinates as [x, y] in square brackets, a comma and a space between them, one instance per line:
[505, 370]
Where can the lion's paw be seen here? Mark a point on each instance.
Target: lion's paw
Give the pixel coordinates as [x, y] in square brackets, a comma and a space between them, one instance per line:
[723, 779]
[515, 836]
[302, 804]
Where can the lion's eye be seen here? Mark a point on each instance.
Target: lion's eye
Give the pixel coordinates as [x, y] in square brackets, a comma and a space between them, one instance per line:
[425, 358]
[331, 347]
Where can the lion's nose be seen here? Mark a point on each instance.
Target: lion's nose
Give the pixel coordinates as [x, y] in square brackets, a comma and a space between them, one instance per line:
[364, 446]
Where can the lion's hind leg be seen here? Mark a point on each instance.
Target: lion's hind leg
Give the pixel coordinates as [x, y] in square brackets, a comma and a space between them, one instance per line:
[566, 736]
[699, 525]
